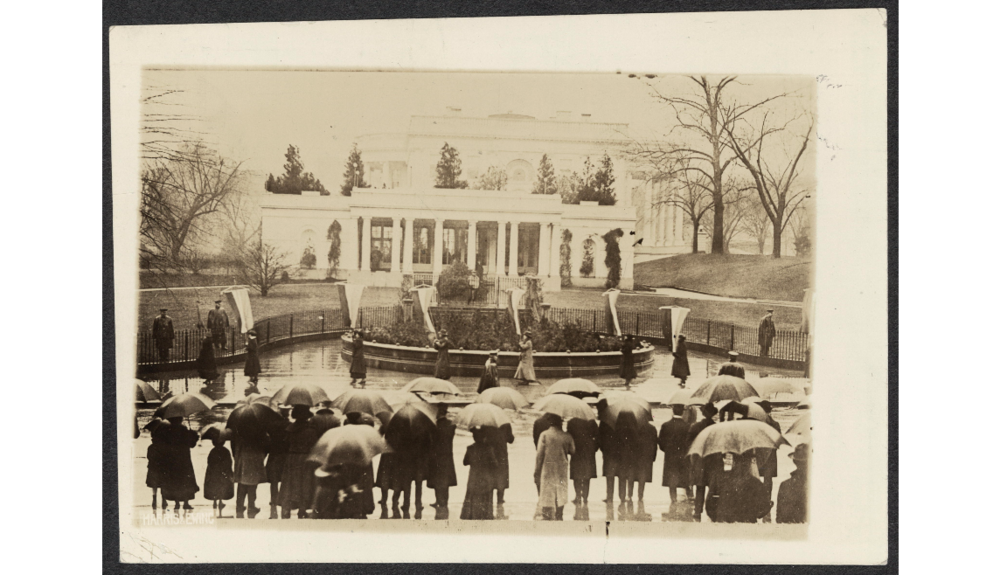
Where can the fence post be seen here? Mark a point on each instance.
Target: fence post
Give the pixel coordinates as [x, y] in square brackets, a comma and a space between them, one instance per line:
[187, 350]
[291, 325]
[732, 336]
[708, 333]
[322, 322]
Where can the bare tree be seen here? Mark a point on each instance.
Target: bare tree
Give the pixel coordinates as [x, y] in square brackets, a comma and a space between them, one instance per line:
[239, 222]
[801, 226]
[708, 117]
[777, 187]
[691, 194]
[262, 266]
[756, 224]
[738, 202]
[167, 129]
[179, 194]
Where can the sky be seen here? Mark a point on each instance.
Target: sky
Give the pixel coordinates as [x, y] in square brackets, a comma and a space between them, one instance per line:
[253, 115]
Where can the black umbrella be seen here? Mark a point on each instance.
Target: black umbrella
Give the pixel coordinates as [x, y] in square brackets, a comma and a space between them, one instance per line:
[409, 427]
[251, 423]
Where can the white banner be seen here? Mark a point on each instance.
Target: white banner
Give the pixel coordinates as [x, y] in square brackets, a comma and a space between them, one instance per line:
[239, 300]
[423, 300]
[350, 300]
[513, 298]
[677, 316]
[611, 309]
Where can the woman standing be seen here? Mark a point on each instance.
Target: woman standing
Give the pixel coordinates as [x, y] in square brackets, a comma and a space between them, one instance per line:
[205, 363]
[583, 464]
[251, 368]
[680, 369]
[552, 470]
[482, 467]
[627, 370]
[442, 475]
[498, 438]
[298, 479]
[442, 369]
[248, 470]
[630, 459]
[180, 484]
[491, 373]
[277, 455]
[359, 370]
[526, 367]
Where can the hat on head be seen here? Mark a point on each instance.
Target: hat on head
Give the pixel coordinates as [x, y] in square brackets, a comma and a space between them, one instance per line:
[218, 301]
[800, 453]
[163, 309]
[527, 332]
[251, 331]
[770, 310]
[733, 354]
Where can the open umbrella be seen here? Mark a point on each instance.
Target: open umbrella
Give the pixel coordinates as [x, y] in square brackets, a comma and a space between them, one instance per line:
[613, 395]
[481, 415]
[255, 398]
[576, 386]
[565, 406]
[772, 386]
[804, 404]
[251, 423]
[213, 431]
[184, 405]
[361, 401]
[802, 427]
[736, 437]
[306, 394]
[683, 397]
[145, 392]
[409, 427]
[724, 387]
[350, 444]
[429, 408]
[753, 399]
[503, 397]
[642, 414]
[431, 385]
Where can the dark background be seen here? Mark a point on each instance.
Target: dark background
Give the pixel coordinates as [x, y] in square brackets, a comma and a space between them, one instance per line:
[149, 12]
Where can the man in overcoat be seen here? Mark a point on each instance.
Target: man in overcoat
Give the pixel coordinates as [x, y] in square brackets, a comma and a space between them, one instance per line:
[709, 463]
[673, 441]
[218, 323]
[793, 493]
[163, 334]
[766, 333]
[733, 367]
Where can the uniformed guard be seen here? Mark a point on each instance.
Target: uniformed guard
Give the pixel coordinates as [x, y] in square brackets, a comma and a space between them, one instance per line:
[218, 323]
[163, 334]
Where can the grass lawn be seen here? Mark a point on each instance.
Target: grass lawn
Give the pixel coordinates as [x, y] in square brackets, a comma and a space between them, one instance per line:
[750, 276]
[740, 314]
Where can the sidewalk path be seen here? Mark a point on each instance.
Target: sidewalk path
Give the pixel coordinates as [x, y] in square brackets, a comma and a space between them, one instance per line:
[680, 293]
[180, 288]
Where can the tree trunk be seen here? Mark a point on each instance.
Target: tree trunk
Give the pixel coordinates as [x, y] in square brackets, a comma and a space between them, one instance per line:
[263, 291]
[694, 239]
[718, 226]
[776, 252]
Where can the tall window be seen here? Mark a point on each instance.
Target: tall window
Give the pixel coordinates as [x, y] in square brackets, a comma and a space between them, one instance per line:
[455, 245]
[422, 238]
[381, 245]
[527, 248]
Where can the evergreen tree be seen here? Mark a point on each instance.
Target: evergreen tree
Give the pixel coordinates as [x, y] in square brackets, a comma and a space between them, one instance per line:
[449, 169]
[295, 180]
[495, 178]
[546, 182]
[354, 172]
[597, 184]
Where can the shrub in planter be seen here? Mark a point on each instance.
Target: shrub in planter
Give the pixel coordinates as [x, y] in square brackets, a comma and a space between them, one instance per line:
[454, 282]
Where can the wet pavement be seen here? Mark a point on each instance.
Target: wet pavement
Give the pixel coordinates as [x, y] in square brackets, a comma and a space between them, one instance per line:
[320, 363]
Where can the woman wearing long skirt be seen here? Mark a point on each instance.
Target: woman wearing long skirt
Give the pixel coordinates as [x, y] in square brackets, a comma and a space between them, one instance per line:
[630, 459]
[482, 467]
[442, 369]
[647, 454]
[251, 368]
[491, 373]
[277, 456]
[442, 474]
[359, 370]
[180, 485]
[583, 464]
[526, 367]
[680, 369]
[205, 364]
[298, 479]
[555, 446]
[627, 370]
[157, 457]
[219, 474]
[498, 438]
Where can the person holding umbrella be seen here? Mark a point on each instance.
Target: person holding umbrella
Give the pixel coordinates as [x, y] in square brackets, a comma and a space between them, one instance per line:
[251, 368]
[525, 373]
[627, 368]
[673, 441]
[249, 448]
[277, 456]
[767, 459]
[163, 334]
[219, 471]
[498, 438]
[737, 496]
[647, 456]
[793, 493]
[442, 369]
[479, 456]
[157, 458]
[359, 370]
[180, 485]
[609, 453]
[583, 464]
[366, 480]
[442, 475]
[297, 479]
[680, 368]
[555, 446]
[491, 373]
[708, 411]
[205, 364]
[410, 433]
[733, 367]
[541, 424]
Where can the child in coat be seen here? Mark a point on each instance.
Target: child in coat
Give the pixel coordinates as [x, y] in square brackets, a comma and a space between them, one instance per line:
[219, 473]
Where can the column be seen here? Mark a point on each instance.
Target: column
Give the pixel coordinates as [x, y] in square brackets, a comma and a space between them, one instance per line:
[647, 219]
[544, 230]
[473, 240]
[501, 243]
[512, 268]
[366, 244]
[408, 247]
[397, 238]
[348, 244]
[438, 255]
[554, 259]
[628, 257]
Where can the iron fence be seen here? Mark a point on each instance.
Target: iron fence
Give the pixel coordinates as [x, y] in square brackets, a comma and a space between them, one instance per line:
[379, 316]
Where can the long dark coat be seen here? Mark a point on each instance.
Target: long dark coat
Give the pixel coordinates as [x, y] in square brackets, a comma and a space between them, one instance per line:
[792, 498]
[490, 378]
[733, 368]
[736, 498]
[767, 459]
[680, 368]
[157, 456]
[629, 449]
[298, 480]
[673, 441]
[180, 484]
[699, 474]
[359, 370]
[252, 366]
[766, 332]
[609, 450]
[219, 475]
[343, 496]
[442, 369]
[583, 464]
[442, 473]
[163, 332]
[482, 464]
[277, 453]
[627, 370]
[206, 361]
[647, 452]
[497, 439]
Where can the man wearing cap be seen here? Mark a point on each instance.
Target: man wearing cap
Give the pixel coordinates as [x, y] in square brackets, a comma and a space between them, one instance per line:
[709, 465]
[766, 333]
[218, 323]
[793, 493]
[163, 334]
[733, 367]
